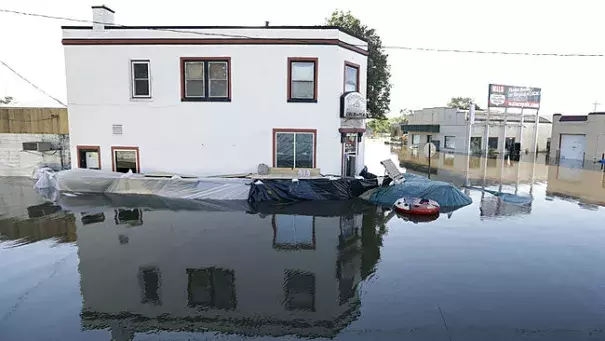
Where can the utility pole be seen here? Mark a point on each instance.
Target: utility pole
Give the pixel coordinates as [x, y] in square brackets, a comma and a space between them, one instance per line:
[595, 104]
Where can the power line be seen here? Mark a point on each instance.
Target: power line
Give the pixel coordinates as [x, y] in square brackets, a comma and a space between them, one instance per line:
[30, 83]
[118, 25]
[394, 47]
[510, 53]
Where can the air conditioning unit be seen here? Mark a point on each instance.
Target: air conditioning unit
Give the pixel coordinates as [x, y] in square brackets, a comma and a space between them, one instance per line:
[37, 146]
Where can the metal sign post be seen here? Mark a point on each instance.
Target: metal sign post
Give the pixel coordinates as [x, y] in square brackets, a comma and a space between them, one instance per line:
[521, 134]
[535, 148]
[505, 120]
[471, 120]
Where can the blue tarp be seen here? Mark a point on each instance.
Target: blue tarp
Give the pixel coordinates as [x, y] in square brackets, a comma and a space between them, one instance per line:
[447, 195]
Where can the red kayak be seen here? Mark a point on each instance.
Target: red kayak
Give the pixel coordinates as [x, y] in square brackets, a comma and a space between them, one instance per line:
[417, 206]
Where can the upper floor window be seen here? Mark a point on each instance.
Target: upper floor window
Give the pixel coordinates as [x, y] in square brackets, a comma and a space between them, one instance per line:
[206, 79]
[351, 77]
[141, 82]
[302, 79]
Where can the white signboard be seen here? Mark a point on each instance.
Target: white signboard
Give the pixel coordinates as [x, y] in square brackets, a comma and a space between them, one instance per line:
[353, 105]
[92, 160]
[429, 149]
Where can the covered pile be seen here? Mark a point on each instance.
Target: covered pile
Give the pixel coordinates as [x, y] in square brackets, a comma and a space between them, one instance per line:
[447, 195]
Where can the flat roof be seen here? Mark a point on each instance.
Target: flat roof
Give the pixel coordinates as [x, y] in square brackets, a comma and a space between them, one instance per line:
[126, 27]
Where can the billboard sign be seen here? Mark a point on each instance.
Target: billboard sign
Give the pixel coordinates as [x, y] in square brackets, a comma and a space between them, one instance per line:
[510, 96]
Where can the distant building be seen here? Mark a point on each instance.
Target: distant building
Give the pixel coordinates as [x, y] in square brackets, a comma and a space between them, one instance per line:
[447, 128]
[214, 100]
[578, 138]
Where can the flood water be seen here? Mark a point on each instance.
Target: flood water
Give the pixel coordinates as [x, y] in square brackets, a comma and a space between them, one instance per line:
[114, 268]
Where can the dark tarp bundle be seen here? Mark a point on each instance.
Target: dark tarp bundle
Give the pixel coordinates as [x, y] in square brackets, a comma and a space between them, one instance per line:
[447, 195]
[332, 208]
[311, 189]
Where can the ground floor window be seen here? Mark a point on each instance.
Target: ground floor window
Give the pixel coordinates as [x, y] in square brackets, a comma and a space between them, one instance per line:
[475, 144]
[450, 142]
[493, 143]
[125, 159]
[89, 157]
[293, 232]
[415, 139]
[294, 148]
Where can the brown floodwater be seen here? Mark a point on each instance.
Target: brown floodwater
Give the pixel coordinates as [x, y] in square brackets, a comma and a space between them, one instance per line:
[135, 268]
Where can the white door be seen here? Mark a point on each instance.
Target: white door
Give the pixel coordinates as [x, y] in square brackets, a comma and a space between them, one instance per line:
[573, 146]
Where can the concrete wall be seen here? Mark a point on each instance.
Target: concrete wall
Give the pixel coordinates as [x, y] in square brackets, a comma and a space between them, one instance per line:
[593, 128]
[14, 161]
[204, 137]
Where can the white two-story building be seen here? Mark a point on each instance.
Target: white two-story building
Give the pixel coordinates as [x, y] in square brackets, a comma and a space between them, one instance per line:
[214, 100]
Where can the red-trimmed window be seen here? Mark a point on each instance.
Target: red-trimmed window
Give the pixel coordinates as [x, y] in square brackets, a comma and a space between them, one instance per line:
[294, 148]
[302, 79]
[89, 157]
[124, 159]
[206, 79]
[351, 78]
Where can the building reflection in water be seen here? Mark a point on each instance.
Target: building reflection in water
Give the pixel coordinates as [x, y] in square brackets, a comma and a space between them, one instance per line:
[572, 179]
[44, 221]
[283, 271]
[575, 179]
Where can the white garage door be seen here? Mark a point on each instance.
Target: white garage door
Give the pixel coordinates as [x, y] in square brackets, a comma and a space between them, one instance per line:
[573, 146]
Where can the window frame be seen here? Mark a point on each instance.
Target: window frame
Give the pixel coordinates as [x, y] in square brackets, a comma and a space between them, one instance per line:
[206, 97]
[313, 60]
[97, 148]
[445, 140]
[133, 79]
[344, 79]
[294, 131]
[292, 246]
[124, 148]
[212, 272]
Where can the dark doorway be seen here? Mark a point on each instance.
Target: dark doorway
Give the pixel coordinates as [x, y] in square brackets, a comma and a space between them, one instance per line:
[510, 145]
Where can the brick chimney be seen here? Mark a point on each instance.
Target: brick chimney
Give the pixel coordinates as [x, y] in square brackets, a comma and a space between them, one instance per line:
[101, 15]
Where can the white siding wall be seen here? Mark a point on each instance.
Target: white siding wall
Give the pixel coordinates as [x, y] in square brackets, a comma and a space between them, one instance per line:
[202, 137]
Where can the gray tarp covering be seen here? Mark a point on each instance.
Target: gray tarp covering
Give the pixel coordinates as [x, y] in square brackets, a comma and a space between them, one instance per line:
[447, 195]
[94, 181]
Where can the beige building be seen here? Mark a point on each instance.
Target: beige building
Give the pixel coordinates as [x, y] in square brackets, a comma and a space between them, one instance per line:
[578, 138]
[448, 130]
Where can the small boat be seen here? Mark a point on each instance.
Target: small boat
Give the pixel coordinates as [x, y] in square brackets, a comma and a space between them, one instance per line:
[417, 206]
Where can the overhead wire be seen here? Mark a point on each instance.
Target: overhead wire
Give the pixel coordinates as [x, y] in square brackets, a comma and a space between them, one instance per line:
[31, 83]
[394, 47]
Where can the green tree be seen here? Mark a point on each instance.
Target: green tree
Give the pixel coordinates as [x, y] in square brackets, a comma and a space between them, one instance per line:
[379, 70]
[379, 126]
[462, 103]
[6, 100]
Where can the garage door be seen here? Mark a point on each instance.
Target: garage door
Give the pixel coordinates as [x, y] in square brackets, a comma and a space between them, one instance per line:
[573, 146]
